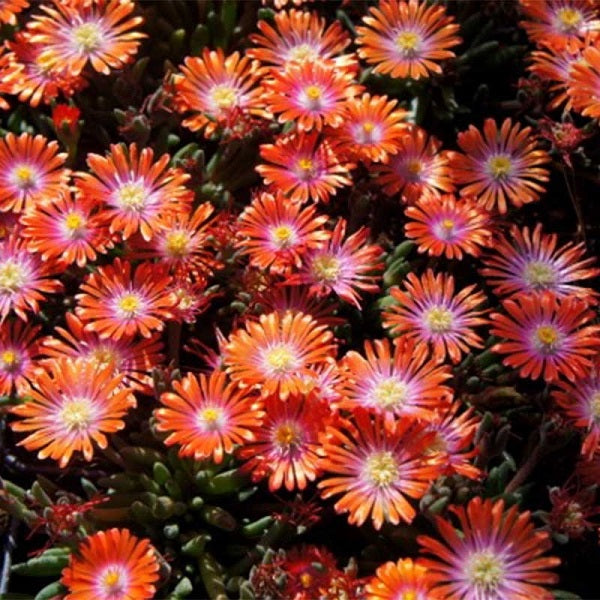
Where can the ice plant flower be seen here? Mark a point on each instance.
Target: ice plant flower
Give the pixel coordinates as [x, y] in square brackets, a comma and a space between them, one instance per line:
[66, 228]
[407, 39]
[19, 349]
[404, 580]
[371, 128]
[530, 261]
[311, 94]
[117, 300]
[396, 383]
[134, 190]
[287, 447]
[66, 117]
[566, 138]
[501, 167]
[24, 278]
[584, 84]
[73, 403]
[277, 352]
[418, 168]
[130, 357]
[207, 417]
[429, 312]
[31, 171]
[497, 554]
[75, 33]
[546, 336]
[581, 404]
[276, 233]
[447, 226]
[344, 266]
[213, 87]
[304, 167]
[376, 466]
[9, 9]
[296, 36]
[112, 565]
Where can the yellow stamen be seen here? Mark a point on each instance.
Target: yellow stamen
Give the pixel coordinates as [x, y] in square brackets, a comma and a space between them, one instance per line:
[448, 224]
[113, 583]
[547, 336]
[485, 570]
[390, 393]
[211, 417]
[24, 177]
[287, 435]
[281, 359]
[439, 319]
[368, 127]
[301, 52]
[408, 42]
[569, 18]
[177, 243]
[414, 167]
[224, 96]
[129, 304]
[306, 580]
[102, 355]
[9, 359]
[500, 166]
[539, 274]
[382, 468]
[76, 415]
[313, 92]
[283, 236]
[12, 277]
[408, 595]
[87, 37]
[132, 196]
[326, 267]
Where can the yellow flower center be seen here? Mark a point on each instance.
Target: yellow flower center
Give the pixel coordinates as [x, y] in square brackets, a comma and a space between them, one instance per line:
[390, 393]
[408, 595]
[76, 414]
[408, 42]
[103, 355]
[595, 405]
[224, 96]
[287, 435]
[24, 177]
[539, 274]
[283, 236]
[87, 37]
[313, 92]
[382, 469]
[326, 267]
[211, 417]
[186, 300]
[368, 126]
[306, 580]
[10, 360]
[569, 18]
[500, 166]
[448, 224]
[132, 196]
[113, 583]
[485, 570]
[301, 52]
[547, 335]
[281, 359]
[129, 304]
[12, 277]
[439, 319]
[414, 167]
[177, 243]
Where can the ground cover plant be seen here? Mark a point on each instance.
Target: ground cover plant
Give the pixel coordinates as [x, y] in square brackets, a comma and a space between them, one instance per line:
[299, 300]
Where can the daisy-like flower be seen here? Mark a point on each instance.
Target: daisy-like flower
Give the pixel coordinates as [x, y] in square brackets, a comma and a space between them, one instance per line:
[73, 403]
[445, 226]
[311, 94]
[376, 465]
[135, 190]
[393, 383]
[9, 9]
[31, 171]
[214, 87]
[276, 233]
[37, 82]
[304, 167]
[581, 403]
[501, 166]
[111, 565]
[560, 24]
[192, 298]
[207, 417]
[287, 447]
[546, 336]
[531, 261]
[406, 579]
[67, 229]
[498, 554]
[584, 84]
[371, 129]
[430, 313]
[24, 278]
[419, 167]
[277, 352]
[114, 302]
[407, 39]
[297, 36]
[19, 349]
[75, 33]
[133, 359]
[343, 266]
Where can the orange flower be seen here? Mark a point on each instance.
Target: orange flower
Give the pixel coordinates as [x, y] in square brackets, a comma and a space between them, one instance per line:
[311, 94]
[405, 580]
[277, 353]
[419, 167]
[111, 565]
[9, 10]
[584, 82]
[75, 33]
[445, 226]
[276, 233]
[73, 403]
[114, 303]
[19, 349]
[502, 166]
[206, 416]
[215, 87]
[376, 465]
[304, 168]
[407, 39]
[135, 190]
[31, 171]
